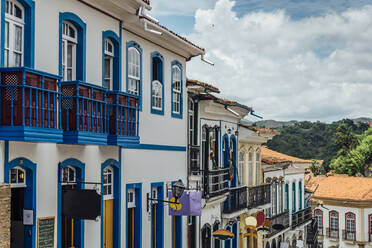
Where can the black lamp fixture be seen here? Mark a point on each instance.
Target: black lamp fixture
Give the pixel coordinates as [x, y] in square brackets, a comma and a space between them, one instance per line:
[177, 190]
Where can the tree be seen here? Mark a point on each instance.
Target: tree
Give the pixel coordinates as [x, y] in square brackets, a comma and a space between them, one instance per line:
[344, 139]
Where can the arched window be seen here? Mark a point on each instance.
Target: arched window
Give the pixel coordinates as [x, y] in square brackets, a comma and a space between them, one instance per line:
[69, 44]
[319, 216]
[176, 89]
[293, 197]
[108, 183]
[250, 168]
[286, 196]
[109, 64]
[191, 121]
[299, 195]
[14, 34]
[333, 224]
[134, 70]
[68, 175]
[350, 226]
[206, 236]
[241, 168]
[157, 89]
[157, 96]
[258, 162]
[17, 177]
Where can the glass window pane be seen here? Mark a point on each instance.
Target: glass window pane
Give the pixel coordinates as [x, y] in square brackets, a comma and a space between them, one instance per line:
[18, 38]
[69, 74]
[13, 176]
[6, 34]
[17, 12]
[17, 59]
[69, 54]
[107, 68]
[72, 32]
[6, 59]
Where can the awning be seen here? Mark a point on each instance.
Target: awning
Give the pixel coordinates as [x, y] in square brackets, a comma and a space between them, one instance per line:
[223, 234]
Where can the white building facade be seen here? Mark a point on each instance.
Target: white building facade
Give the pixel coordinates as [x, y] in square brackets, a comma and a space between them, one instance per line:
[93, 97]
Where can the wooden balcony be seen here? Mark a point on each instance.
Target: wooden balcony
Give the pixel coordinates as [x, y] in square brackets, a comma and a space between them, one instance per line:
[259, 195]
[236, 201]
[83, 111]
[215, 182]
[301, 217]
[123, 118]
[29, 105]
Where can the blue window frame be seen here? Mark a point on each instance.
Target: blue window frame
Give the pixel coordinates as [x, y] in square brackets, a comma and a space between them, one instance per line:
[157, 83]
[177, 90]
[228, 241]
[80, 26]
[115, 165]
[134, 215]
[30, 191]
[176, 231]
[79, 168]
[287, 197]
[293, 197]
[299, 195]
[111, 60]
[157, 216]
[134, 70]
[234, 182]
[29, 32]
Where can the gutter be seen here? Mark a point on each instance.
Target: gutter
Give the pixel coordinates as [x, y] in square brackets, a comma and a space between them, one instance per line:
[143, 4]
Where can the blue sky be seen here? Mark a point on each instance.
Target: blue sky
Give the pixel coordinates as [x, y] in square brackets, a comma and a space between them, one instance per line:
[288, 59]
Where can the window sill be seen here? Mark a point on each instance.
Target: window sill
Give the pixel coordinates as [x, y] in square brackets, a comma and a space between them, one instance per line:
[157, 111]
[177, 115]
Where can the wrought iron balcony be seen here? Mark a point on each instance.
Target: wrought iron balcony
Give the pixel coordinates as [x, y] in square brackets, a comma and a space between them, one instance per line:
[301, 217]
[280, 219]
[312, 233]
[320, 231]
[349, 235]
[29, 105]
[122, 116]
[215, 182]
[236, 201]
[194, 160]
[332, 233]
[259, 195]
[83, 113]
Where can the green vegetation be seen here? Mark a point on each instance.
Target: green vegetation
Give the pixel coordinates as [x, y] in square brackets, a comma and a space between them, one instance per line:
[321, 141]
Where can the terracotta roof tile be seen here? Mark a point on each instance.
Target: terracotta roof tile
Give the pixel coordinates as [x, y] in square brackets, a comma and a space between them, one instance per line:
[342, 187]
[271, 157]
[207, 86]
[261, 129]
[174, 33]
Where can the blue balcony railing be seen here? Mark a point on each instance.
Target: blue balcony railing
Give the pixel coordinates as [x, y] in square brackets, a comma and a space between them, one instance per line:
[122, 117]
[236, 200]
[29, 105]
[83, 111]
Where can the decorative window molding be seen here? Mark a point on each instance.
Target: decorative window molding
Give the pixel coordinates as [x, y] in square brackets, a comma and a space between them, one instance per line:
[157, 83]
[134, 70]
[108, 183]
[177, 90]
[319, 215]
[111, 60]
[333, 220]
[80, 57]
[17, 33]
[17, 177]
[350, 223]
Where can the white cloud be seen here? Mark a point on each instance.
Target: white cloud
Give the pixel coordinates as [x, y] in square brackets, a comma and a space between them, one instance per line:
[317, 68]
[185, 8]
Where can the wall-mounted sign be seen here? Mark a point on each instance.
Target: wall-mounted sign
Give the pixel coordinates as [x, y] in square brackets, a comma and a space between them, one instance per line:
[28, 217]
[45, 232]
[190, 202]
[81, 203]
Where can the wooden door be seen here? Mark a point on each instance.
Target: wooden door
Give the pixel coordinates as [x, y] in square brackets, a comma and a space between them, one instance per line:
[108, 223]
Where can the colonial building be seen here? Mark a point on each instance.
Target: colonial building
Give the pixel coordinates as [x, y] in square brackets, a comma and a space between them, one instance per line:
[251, 176]
[93, 98]
[343, 208]
[288, 211]
[213, 146]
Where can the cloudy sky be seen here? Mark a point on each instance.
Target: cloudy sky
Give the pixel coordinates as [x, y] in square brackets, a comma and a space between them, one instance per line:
[288, 59]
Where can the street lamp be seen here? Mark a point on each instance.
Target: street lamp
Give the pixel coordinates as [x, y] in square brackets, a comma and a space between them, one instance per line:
[177, 190]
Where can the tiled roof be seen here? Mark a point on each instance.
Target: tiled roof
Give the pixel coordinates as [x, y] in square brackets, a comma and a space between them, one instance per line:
[174, 33]
[261, 129]
[224, 101]
[207, 86]
[272, 157]
[341, 187]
